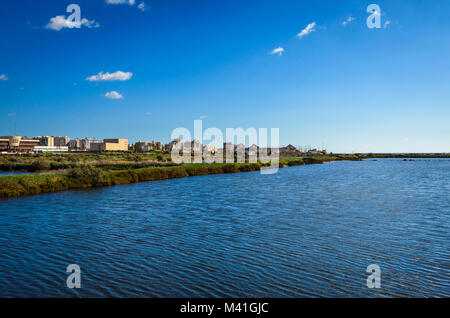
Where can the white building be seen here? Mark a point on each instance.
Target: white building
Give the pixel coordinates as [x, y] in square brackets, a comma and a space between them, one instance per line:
[42, 149]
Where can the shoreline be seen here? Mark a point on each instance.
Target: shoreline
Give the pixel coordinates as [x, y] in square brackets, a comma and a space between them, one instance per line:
[92, 177]
[84, 176]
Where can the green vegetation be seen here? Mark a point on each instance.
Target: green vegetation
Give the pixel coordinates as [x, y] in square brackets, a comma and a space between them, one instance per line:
[106, 160]
[113, 160]
[7, 161]
[409, 155]
[93, 170]
[88, 176]
[91, 176]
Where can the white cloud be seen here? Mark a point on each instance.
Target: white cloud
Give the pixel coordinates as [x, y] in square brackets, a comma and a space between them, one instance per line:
[309, 28]
[130, 2]
[104, 77]
[349, 19]
[142, 6]
[114, 95]
[148, 113]
[60, 22]
[279, 50]
[203, 117]
[3, 77]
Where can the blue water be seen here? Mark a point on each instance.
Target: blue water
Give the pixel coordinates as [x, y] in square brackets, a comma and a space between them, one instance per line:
[306, 231]
[13, 173]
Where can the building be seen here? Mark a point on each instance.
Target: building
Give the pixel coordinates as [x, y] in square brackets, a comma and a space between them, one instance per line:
[149, 146]
[317, 152]
[61, 141]
[116, 144]
[253, 150]
[111, 145]
[174, 143]
[75, 143]
[17, 144]
[42, 149]
[196, 146]
[97, 147]
[86, 143]
[47, 141]
[210, 149]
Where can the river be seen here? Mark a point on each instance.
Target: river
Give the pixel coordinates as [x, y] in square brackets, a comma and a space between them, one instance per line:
[306, 231]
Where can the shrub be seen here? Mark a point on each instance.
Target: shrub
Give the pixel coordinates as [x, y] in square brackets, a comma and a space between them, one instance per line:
[152, 174]
[295, 163]
[88, 176]
[215, 170]
[249, 167]
[230, 168]
[40, 165]
[11, 189]
[312, 160]
[197, 171]
[176, 173]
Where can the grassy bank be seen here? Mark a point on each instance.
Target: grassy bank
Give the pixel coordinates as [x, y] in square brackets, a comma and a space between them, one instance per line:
[100, 172]
[49, 161]
[106, 161]
[42, 165]
[89, 176]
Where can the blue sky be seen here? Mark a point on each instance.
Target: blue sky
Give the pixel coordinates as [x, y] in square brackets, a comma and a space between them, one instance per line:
[347, 87]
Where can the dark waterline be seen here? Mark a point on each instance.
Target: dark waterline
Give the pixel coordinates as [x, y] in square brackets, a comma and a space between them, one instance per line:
[306, 231]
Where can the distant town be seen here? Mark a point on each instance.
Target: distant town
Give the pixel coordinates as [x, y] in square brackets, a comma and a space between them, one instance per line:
[59, 144]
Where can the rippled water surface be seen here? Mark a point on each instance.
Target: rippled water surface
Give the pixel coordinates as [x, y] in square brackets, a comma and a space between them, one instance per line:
[306, 231]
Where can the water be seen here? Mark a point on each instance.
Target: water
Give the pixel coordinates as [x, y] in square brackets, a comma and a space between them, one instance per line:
[306, 231]
[13, 173]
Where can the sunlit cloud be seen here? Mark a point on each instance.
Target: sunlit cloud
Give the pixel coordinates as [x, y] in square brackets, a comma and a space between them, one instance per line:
[279, 50]
[3, 77]
[348, 20]
[141, 6]
[309, 28]
[61, 22]
[105, 77]
[130, 2]
[114, 95]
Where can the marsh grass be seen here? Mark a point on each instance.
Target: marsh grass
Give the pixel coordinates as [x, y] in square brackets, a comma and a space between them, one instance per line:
[88, 176]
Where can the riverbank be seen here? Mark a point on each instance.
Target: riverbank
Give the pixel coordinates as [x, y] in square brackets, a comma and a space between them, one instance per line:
[89, 176]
